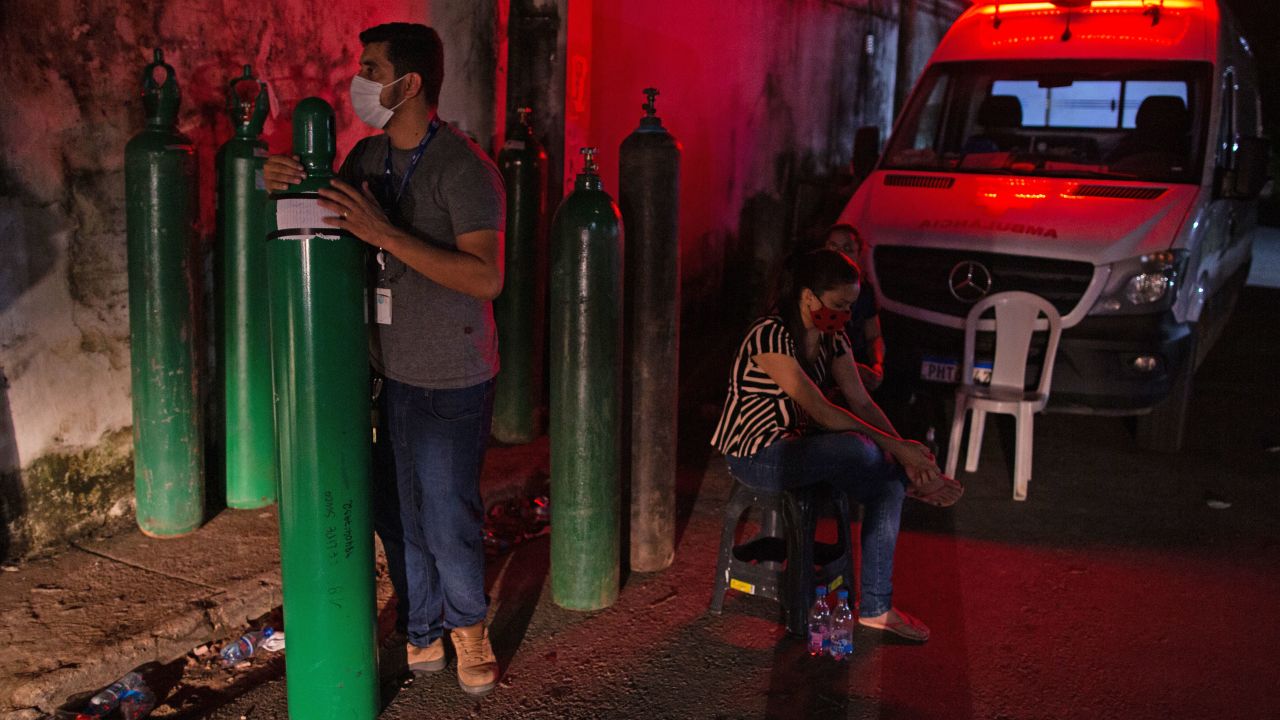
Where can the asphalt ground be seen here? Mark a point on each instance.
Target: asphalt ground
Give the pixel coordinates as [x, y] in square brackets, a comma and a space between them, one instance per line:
[1130, 585]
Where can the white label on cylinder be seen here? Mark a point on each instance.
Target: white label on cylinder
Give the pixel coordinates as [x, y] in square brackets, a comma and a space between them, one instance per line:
[304, 213]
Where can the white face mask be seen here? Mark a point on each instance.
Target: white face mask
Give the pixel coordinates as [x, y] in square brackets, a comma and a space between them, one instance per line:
[366, 100]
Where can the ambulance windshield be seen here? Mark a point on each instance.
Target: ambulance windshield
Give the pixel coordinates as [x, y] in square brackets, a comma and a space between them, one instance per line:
[1113, 119]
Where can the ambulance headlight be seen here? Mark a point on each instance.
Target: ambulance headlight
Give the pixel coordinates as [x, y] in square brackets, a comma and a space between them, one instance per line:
[1146, 288]
[1146, 283]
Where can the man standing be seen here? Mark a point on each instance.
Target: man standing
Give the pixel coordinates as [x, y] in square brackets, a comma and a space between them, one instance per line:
[430, 205]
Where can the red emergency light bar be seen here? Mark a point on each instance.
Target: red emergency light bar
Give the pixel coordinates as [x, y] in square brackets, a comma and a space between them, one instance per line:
[990, 7]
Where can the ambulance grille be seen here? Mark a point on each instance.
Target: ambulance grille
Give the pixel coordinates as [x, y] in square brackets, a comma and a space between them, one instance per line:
[919, 277]
[1118, 191]
[920, 181]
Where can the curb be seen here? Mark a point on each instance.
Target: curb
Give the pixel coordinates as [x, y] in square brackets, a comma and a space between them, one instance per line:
[168, 640]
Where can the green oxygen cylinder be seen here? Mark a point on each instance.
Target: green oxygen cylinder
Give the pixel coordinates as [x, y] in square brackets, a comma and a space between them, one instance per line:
[246, 334]
[160, 214]
[319, 358]
[649, 194]
[518, 310]
[586, 328]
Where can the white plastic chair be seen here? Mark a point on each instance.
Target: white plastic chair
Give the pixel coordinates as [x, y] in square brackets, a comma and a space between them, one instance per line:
[1017, 316]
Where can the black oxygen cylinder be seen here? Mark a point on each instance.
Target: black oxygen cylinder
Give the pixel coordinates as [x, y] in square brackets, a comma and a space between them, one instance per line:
[649, 193]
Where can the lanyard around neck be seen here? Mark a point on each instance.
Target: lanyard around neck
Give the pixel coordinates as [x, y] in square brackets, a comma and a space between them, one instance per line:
[413, 161]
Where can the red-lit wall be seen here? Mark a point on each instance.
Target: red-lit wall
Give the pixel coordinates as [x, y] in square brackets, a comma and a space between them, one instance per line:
[70, 80]
[764, 95]
[760, 93]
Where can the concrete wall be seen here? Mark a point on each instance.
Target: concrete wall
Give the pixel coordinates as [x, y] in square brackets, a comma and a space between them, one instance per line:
[923, 23]
[473, 95]
[71, 83]
[765, 97]
[764, 94]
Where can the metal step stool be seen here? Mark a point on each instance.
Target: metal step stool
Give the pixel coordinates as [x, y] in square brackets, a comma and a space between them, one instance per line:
[784, 563]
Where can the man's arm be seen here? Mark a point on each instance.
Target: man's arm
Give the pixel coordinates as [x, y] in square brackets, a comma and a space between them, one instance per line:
[474, 268]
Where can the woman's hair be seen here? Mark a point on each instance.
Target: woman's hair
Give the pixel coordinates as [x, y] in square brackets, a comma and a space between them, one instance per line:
[818, 270]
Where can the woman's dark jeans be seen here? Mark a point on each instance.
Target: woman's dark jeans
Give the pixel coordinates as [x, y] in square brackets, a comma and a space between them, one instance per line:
[850, 462]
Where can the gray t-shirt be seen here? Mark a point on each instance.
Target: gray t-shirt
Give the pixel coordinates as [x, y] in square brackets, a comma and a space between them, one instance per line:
[438, 338]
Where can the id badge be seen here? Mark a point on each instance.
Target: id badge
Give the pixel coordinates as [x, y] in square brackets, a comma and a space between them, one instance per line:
[382, 306]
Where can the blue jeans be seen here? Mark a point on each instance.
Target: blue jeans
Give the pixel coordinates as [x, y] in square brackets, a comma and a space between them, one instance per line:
[852, 463]
[427, 508]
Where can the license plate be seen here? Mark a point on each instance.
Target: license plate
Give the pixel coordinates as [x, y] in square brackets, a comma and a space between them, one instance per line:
[947, 370]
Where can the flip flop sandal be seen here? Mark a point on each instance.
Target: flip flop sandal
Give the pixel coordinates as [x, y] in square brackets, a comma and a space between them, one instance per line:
[906, 627]
[941, 495]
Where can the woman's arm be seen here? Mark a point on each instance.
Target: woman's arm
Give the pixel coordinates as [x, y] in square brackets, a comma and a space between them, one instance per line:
[848, 378]
[872, 373]
[787, 373]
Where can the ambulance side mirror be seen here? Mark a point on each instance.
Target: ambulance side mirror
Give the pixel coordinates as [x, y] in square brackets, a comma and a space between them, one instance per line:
[866, 151]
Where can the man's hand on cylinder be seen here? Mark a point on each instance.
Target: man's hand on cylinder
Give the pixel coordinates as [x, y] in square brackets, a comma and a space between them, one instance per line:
[281, 171]
[356, 211]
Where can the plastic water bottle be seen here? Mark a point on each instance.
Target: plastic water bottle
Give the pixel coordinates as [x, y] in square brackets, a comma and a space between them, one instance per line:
[137, 703]
[242, 649]
[108, 699]
[819, 621]
[840, 645]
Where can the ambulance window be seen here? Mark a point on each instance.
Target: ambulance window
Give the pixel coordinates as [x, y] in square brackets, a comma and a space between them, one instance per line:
[1135, 91]
[1079, 104]
[1030, 96]
[931, 115]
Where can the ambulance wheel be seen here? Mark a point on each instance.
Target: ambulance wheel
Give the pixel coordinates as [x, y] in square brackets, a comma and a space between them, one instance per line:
[1164, 428]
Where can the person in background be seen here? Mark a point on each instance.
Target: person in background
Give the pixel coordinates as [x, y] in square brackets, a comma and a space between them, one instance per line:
[920, 413]
[778, 431]
[863, 327]
[430, 205]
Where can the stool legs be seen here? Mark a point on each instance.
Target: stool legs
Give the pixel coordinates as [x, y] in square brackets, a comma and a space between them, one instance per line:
[732, 513]
[792, 586]
[799, 563]
[844, 536]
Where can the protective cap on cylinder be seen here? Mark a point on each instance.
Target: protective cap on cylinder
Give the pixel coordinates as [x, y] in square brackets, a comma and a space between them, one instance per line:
[160, 96]
[247, 103]
[314, 134]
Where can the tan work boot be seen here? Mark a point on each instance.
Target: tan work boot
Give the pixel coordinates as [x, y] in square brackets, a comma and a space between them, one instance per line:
[477, 667]
[426, 659]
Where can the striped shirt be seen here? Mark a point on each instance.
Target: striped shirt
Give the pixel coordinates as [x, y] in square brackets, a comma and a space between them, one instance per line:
[756, 411]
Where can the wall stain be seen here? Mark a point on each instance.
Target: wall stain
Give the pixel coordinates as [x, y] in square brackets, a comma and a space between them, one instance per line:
[65, 496]
[73, 83]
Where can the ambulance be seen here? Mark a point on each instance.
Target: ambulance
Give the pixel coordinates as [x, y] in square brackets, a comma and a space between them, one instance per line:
[1104, 155]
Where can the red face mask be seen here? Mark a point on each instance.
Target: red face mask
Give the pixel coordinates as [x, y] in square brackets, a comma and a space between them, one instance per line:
[829, 321]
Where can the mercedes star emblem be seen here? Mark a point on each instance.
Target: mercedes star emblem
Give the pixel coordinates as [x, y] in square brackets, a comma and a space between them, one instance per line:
[970, 281]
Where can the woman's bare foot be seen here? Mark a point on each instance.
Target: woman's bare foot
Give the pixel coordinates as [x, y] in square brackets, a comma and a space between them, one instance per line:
[899, 623]
[943, 492]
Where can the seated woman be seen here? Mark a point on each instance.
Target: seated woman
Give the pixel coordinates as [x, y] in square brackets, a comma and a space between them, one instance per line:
[778, 432]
